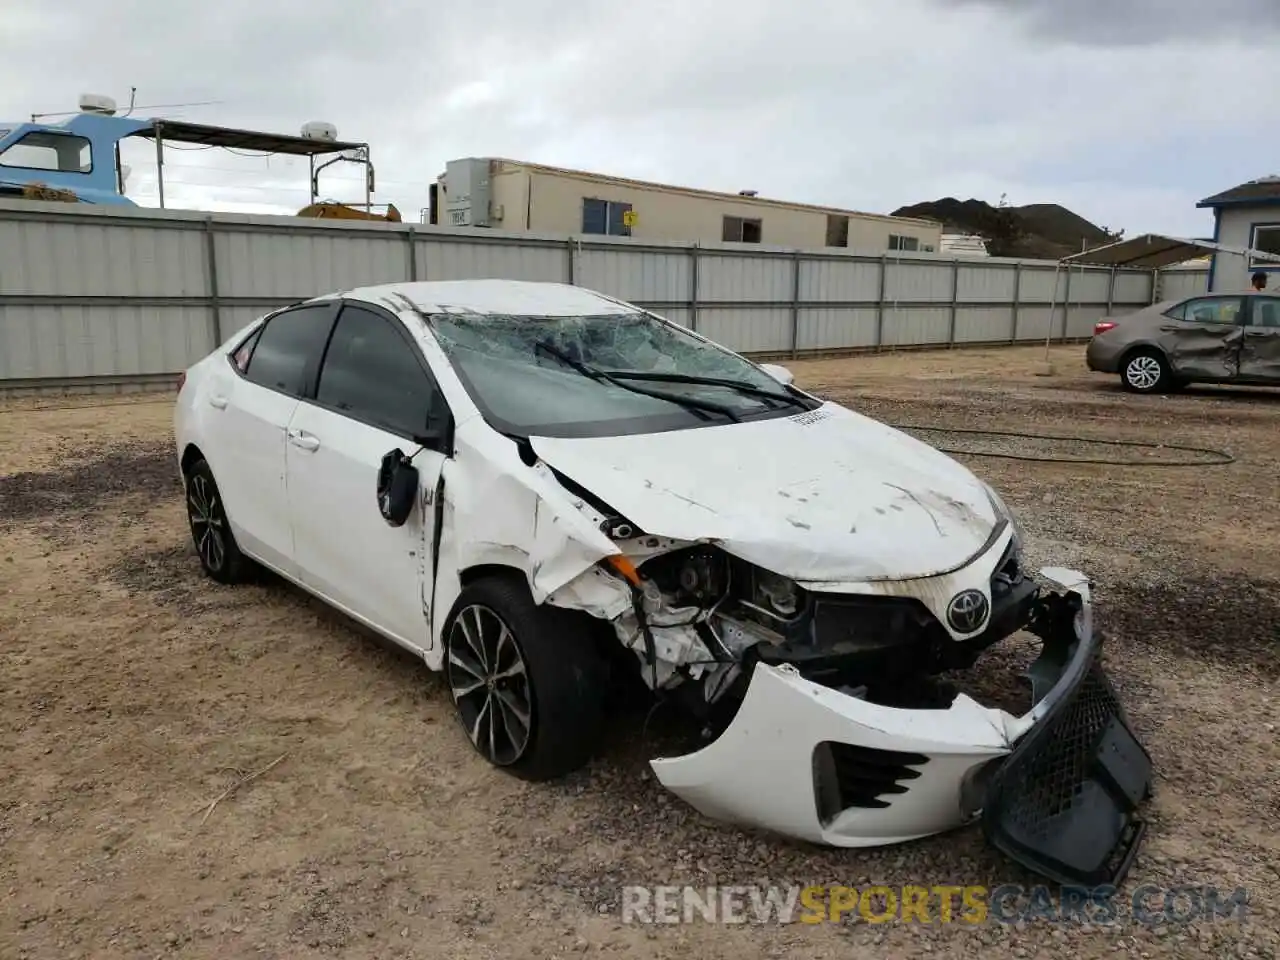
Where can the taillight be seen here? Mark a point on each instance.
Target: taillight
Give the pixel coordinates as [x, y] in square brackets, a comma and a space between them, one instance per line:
[1102, 326]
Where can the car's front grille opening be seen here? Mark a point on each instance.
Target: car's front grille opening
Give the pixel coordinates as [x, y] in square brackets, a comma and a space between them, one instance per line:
[849, 624]
[868, 778]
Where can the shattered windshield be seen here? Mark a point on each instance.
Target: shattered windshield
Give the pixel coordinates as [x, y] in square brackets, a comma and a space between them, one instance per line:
[568, 376]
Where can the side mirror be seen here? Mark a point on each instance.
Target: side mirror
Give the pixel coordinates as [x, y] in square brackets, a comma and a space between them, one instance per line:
[437, 431]
[397, 488]
[779, 373]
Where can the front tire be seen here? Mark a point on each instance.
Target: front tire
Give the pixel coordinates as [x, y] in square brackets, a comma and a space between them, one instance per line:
[219, 553]
[527, 682]
[1146, 371]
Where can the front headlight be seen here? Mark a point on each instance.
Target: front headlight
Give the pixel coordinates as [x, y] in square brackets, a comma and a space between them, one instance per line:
[1002, 510]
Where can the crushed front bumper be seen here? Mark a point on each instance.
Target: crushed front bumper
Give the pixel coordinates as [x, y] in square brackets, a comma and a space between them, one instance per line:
[1057, 789]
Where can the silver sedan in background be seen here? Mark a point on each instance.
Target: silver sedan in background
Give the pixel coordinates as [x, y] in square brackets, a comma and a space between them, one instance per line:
[1217, 338]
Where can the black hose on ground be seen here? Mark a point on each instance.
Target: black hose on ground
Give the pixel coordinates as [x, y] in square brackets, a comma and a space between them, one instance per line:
[1217, 457]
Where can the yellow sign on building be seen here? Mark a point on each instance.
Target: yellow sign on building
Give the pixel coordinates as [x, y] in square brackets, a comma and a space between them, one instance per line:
[629, 218]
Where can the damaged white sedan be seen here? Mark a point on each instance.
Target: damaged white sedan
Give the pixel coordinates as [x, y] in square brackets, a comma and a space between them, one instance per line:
[530, 483]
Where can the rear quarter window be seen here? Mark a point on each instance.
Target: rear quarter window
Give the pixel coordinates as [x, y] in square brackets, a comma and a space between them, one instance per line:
[240, 356]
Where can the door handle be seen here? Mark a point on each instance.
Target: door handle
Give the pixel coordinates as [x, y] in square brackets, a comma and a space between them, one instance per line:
[218, 401]
[304, 440]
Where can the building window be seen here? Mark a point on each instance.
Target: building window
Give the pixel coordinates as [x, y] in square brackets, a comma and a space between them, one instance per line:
[837, 230]
[55, 152]
[739, 230]
[606, 217]
[1266, 239]
[903, 243]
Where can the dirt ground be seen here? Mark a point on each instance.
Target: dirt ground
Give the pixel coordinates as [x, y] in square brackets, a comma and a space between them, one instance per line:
[135, 692]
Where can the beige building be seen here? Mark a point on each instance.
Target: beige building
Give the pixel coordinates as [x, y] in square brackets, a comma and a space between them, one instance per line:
[522, 197]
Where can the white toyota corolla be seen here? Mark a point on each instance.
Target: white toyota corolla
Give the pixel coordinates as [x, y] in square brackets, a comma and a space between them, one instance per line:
[528, 483]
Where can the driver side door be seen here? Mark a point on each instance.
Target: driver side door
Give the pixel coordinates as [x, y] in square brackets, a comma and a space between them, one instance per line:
[1260, 353]
[374, 393]
[1202, 337]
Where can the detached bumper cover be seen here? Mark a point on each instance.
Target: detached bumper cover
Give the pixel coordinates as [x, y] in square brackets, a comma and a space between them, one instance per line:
[1057, 789]
[1065, 801]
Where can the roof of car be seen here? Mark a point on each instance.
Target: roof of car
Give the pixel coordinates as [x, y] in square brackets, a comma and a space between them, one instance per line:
[520, 298]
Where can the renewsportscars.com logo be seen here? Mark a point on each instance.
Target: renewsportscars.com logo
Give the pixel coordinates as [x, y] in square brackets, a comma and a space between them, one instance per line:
[943, 904]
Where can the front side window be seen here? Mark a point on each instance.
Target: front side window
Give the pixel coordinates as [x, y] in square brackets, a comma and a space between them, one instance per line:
[568, 376]
[286, 348]
[372, 374]
[1213, 310]
[55, 152]
[1266, 312]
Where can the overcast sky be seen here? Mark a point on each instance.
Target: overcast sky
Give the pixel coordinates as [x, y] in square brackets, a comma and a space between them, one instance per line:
[1126, 112]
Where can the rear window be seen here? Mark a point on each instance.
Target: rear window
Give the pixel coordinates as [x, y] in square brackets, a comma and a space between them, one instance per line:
[288, 346]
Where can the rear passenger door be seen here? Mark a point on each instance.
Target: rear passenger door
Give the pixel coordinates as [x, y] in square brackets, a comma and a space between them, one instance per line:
[374, 394]
[1202, 337]
[1260, 351]
[250, 405]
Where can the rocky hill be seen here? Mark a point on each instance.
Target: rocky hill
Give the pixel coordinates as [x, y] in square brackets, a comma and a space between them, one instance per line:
[1037, 230]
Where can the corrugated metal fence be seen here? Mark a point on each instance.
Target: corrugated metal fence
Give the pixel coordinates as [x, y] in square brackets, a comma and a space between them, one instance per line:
[98, 298]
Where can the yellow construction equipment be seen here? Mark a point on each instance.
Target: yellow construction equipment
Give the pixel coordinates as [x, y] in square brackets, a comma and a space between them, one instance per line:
[332, 210]
[42, 191]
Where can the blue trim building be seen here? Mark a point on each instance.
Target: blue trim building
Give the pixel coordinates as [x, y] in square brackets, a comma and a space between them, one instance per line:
[1245, 217]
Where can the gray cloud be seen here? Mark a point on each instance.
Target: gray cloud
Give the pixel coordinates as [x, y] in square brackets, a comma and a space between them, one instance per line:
[1139, 22]
[870, 105]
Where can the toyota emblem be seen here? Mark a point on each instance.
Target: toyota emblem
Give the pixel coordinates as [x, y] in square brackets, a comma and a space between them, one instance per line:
[968, 611]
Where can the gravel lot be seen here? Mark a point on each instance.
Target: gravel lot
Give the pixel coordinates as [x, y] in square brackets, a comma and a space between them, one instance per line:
[135, 692]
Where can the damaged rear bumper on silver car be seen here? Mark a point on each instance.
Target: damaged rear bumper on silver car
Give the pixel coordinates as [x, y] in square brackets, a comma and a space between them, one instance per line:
[1057, 789]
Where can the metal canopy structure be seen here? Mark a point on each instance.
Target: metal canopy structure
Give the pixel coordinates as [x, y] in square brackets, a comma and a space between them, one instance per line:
[1150, 251]
[1154, 251]
[177, 131]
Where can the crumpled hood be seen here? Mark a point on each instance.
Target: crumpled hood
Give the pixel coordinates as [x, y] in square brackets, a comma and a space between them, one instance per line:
[827, 495]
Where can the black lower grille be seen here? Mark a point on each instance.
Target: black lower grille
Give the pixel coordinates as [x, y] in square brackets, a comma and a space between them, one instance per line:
[1058, 775]
[853, 776]
[1065, 801]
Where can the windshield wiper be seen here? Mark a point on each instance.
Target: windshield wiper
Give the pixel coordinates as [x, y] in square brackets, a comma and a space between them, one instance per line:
[738, 385]
[700, 407]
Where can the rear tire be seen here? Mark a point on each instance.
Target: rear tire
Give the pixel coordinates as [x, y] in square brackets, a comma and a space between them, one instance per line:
[1146, 371]
[215, 545]
[528, 683]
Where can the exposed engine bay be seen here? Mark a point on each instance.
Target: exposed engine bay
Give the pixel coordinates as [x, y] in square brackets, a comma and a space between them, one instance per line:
[704, 618]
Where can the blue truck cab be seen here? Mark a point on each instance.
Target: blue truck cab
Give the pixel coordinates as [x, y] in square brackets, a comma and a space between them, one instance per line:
[80, 155]
[78, 159]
